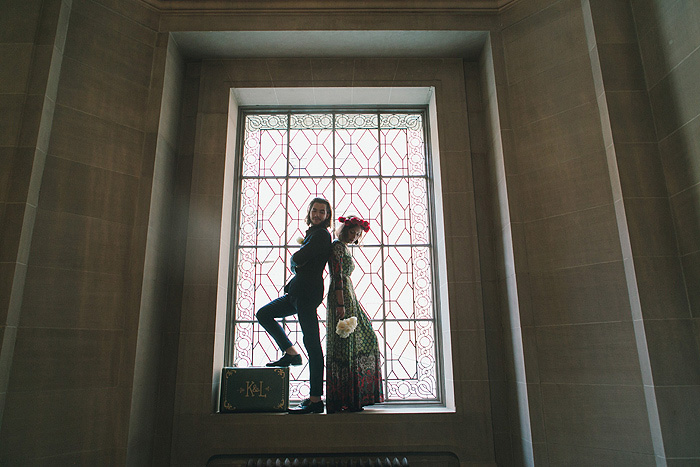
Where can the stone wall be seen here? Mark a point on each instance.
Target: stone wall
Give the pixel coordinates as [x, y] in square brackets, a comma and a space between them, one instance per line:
[71, 369]
[569, 167]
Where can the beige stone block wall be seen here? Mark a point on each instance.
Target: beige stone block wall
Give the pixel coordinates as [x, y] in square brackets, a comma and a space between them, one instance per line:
[489, 177]
[112, 331]
[149, 428]
[31, 45]
[70, 377]
[668, 39]
[568, 272]
[668, 36]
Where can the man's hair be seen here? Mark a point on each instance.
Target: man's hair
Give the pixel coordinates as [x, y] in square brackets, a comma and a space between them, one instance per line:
[327, 222]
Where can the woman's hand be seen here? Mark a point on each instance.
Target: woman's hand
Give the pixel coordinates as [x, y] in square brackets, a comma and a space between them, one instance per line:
[340, 304]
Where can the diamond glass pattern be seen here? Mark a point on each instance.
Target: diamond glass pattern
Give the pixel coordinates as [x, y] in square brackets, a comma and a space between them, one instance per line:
[265, 146]
[360, 197]
[310, 145]
[367, 279]
[402, 144]
[263, 203]
[371, 164]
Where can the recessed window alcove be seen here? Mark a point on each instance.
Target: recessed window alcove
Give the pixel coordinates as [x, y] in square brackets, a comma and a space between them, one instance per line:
[390, 178]
[220, 87]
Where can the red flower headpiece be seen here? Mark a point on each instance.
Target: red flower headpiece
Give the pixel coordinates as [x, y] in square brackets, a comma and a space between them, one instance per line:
[352, 220]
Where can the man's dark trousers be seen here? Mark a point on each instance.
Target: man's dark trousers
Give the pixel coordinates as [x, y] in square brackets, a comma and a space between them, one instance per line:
[288, 305]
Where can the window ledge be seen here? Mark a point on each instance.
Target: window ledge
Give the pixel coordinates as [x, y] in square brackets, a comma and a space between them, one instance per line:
[407, 409]
[375, 410]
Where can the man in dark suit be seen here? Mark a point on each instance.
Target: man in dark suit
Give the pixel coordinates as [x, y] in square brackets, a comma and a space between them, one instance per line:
[303, 294]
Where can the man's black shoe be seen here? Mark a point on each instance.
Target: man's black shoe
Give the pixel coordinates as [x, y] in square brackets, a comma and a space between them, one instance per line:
[305, 402]
[287, 360]
[307, 406]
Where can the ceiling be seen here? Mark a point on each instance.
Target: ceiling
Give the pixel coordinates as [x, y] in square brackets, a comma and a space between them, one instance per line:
[282, 44]
[330, 96]
[308, 5]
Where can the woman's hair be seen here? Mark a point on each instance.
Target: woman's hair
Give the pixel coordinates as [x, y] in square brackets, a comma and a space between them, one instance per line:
[327, 222]
[343, 228]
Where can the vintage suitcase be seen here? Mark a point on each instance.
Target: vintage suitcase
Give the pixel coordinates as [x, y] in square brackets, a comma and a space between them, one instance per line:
[254, 389]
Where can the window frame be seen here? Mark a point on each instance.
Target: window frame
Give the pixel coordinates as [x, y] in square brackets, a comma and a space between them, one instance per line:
[436, 283]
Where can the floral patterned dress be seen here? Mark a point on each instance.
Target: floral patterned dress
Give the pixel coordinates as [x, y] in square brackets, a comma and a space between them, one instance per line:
[354, 376]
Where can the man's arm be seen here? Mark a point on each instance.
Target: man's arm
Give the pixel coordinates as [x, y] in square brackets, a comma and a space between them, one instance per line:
[318, 244]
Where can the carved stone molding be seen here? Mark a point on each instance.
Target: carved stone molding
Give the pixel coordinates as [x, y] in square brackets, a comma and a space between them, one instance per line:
[463, 6]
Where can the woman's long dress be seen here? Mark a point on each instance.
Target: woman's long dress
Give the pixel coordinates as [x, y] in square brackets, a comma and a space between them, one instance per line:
[354, 376]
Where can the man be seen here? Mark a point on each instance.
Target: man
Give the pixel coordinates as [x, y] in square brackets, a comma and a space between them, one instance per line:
[303, 294]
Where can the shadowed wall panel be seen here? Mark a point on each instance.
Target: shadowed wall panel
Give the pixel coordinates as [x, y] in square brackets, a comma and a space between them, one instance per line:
[32, 46]
[668, 37]
[578, 338]
[77, 315]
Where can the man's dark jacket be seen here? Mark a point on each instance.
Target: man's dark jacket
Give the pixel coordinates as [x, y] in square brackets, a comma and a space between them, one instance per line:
[308, 264]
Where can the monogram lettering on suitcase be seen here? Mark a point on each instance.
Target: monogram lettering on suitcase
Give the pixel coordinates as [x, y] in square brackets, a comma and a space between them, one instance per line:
[254, 390]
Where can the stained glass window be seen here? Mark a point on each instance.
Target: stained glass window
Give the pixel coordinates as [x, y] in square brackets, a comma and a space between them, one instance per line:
[372, 164]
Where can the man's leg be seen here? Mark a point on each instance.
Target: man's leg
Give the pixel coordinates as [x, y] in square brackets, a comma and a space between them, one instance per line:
[308, 321]
[278, 308]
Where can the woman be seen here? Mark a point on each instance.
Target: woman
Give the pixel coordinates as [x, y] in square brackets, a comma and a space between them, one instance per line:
[354, 377]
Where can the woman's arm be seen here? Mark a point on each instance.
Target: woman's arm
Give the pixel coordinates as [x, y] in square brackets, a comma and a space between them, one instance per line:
[337, 272]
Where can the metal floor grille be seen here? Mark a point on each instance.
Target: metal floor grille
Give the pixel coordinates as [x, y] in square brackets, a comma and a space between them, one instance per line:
[323, 462]
[376, 459]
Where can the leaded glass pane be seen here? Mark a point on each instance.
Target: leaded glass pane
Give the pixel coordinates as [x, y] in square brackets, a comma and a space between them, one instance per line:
[263, 206]
[245, 285]
[367, 279]
[310, 121]
[346, 121]
[422, 282]
[402, 121]
[394, 150]
[265, 145]
[402, 145]
[266, 122]
[310, 152]
[398, 284]
[410, 360]
[396, 225]
[372, 164]
[357, 152]
[360, 196]
[418, 200]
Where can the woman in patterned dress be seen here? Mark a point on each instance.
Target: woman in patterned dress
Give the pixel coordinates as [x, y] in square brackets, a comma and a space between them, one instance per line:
[354, 377]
